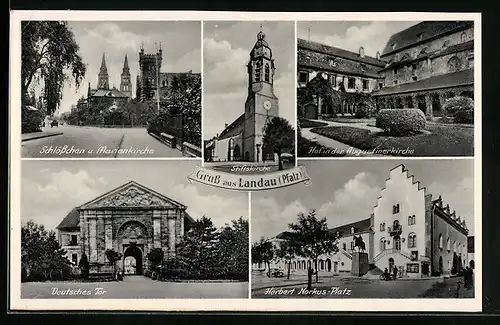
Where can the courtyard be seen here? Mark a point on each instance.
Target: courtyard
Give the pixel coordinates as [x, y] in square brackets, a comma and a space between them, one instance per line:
[355, 137]
[356, 287]
[133, 287]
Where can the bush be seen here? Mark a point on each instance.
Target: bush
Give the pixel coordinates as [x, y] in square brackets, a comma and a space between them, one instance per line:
[364, 109]
[461, 108]
[400, 122]
[30, 121]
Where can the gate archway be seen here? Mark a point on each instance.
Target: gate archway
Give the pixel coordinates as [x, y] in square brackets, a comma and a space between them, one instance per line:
[133, 253]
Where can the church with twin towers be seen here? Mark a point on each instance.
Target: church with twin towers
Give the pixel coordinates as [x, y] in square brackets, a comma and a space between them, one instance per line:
[151, 83]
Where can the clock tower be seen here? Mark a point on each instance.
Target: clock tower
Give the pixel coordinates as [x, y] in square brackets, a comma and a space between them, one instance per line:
[261, 104]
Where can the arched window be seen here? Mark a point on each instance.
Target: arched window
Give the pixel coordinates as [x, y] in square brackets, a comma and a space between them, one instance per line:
[257, 71]
[448, 244]
[440, 241]
[382, 244]
[454, 64]
[267, 73]
[463, 37]
[412, 240]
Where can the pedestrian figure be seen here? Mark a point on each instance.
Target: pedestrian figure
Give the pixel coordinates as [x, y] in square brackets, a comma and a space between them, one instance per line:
[470, 279]
[466, 277]
[395, 270]
[386, 274]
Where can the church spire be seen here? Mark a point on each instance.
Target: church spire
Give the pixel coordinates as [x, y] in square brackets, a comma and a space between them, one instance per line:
[103, 69]
[126, 69]
[103, 77]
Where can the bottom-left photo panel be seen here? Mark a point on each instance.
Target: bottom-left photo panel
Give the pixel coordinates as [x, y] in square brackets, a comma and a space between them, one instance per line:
[129, 229]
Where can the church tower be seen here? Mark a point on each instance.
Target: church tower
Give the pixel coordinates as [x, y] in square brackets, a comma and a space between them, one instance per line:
[103, 77]
[261, 104]
[126, 82]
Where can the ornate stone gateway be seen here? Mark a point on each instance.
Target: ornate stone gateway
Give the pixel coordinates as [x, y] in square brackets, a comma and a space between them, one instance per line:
[131, 220]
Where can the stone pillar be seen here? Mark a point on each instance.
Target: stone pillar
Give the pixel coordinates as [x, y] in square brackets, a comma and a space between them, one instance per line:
[415, 101]
[320, 103]
[108, 232]
[93, 239]
[171, 235]
[428, 106]
[182, 223]
[156, 229]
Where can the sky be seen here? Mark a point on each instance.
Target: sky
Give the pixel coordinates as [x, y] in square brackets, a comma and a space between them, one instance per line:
[346, 191]
[351, 35]
[180, 42]
[51, 189]
[226, 51]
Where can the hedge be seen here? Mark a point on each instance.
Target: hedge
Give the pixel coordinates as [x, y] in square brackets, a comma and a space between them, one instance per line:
[461, 108]
[406, 121]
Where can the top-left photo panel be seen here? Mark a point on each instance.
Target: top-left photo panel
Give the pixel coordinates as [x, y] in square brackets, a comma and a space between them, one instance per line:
[111, 89]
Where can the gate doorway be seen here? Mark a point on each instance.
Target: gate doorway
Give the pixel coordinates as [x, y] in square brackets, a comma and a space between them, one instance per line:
[391, 265]
[132, 260]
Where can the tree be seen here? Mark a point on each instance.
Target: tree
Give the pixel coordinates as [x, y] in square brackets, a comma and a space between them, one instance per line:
[264, 253]
[279, 135]
[155, 256]
[41, 254]
[50, 53]
[198, 247]
[312, 238]
[113, 257]
[232, 250]
[286, 251]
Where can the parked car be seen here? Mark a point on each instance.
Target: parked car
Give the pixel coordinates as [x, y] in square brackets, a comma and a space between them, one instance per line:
[54, 123]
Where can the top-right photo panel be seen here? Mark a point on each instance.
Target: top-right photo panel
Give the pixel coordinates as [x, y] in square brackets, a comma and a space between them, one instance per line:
[385, 88]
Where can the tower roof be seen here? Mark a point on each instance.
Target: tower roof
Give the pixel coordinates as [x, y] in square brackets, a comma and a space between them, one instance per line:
[103, 65]
[126, 69]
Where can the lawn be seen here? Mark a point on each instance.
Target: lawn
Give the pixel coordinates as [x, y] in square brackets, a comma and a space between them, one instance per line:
[303, 123]
[441, 141]
[308, 148]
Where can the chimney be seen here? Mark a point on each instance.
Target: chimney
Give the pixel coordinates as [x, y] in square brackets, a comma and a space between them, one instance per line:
[447, 208]
[362, 52]
[225, 125]
[377, 56]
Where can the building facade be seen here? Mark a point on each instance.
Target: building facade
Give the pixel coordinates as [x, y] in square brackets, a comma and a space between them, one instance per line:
[132, 220]
[242, 139]
[346, 71]
[427, 64]
[409, 230]
[152, 84]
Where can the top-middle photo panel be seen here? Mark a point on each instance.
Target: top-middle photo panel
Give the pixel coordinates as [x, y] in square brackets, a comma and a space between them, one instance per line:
[249, 95]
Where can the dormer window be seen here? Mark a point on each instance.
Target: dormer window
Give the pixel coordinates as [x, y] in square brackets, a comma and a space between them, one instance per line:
[395, 209]
[446, 44]
[363, 67]
[420, 36]
[393, 46]
[332, 62]
[352, 230]
[395, 71]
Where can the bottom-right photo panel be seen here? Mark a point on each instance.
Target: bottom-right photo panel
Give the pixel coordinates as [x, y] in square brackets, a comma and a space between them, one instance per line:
[367, 229]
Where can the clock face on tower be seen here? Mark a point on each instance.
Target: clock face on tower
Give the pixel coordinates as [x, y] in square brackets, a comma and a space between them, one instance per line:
[267, 105]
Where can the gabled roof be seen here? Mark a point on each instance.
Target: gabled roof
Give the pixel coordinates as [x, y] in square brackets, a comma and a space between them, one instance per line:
[111, 93]
[454, 79]
[337, 52]
[427, 30]
[138, 191]
[235, 123]
[71, 221]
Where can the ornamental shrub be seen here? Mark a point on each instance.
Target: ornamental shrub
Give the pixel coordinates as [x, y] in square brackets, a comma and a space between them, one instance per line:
[400, 122]
[461, 108]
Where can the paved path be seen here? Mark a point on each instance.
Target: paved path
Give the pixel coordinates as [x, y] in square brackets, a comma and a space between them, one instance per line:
[337, 145]
[133, 287]
[97, 142]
